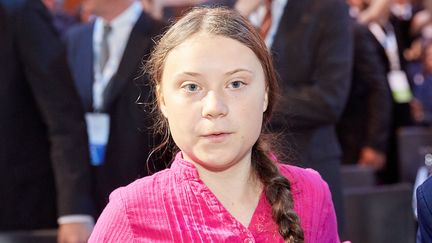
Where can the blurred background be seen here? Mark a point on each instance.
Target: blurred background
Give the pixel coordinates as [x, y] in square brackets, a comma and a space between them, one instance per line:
[384, 129]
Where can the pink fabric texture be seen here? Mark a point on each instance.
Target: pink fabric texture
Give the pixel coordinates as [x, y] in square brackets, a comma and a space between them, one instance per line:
[174, 205]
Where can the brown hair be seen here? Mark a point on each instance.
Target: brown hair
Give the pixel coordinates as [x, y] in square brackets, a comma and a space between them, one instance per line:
[230, 24]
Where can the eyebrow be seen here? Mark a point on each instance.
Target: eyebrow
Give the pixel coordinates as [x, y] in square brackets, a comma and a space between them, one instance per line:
[194, 74]
[238, 70]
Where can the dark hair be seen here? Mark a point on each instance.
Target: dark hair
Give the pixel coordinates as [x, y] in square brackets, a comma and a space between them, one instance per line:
[230, 24]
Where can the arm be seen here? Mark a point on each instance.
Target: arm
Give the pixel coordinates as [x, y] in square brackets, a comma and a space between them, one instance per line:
[328, 231]
[378, 100]
[45, 68]
[321, 101]
[113, 225]
[424, 210]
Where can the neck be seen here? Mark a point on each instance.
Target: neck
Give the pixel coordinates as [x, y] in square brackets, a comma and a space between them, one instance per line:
[236, 185]
[114, 9]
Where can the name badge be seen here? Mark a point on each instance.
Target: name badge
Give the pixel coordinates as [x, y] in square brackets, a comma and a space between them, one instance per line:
[98, 125]
[399, 86]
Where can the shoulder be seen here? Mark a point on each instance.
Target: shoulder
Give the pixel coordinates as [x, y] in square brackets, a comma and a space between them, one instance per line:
[330, 10]
[310, 192]
[424, 209]
[20, 7]
[302, 178]
[424, 193]
[150, 26]
[142, 205]
[144, 191]
[79, 29]
[313, 203]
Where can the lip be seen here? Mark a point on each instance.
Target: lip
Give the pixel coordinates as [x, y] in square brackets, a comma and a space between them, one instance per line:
[217, 137]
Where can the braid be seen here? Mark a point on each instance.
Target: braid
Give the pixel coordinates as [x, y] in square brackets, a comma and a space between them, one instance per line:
[278, 193]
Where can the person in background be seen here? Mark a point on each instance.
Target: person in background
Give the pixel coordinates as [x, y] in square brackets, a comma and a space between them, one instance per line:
[421, 75]
[389, 43]
[44, 161]
[158, 8]
[225, 184]
[62, 21]
[312, 45]
[105, 57]
[424, 211]
[364, 127]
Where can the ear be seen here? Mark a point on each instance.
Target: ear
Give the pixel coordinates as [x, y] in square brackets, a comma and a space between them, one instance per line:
[265, 105]
[161, 101]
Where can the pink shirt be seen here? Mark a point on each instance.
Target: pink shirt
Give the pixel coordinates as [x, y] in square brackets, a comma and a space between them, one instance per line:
[174, 205]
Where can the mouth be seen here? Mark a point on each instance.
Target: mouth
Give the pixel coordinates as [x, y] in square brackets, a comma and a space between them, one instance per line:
[217, 137]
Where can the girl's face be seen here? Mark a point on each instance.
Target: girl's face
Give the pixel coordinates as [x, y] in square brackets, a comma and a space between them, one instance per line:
[213, 93]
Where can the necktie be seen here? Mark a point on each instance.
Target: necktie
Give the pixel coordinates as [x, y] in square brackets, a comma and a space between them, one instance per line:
[267, 20]
[104, 51]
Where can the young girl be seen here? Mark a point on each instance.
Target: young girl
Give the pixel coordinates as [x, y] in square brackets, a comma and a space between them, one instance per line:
[216, 87]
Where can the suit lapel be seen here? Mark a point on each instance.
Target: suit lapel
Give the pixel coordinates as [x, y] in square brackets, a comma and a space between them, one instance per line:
[138, 44]
[85, 74]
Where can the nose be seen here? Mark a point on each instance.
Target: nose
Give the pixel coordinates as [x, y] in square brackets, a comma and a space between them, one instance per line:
[214, 105]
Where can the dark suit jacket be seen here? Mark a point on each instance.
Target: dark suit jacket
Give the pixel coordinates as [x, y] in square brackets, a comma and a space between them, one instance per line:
[424, 210]
[43, 142]
[130, 140]
[312, 51]
[366, 117]
[400, 116]
[313, 55]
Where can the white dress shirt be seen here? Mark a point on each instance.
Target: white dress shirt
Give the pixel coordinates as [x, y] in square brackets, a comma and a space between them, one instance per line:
[277, 9]
[121, 28]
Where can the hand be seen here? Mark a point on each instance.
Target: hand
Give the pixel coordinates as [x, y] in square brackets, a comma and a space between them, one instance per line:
[417, 110]
[246, 7]
[74, 232]
[372, 158]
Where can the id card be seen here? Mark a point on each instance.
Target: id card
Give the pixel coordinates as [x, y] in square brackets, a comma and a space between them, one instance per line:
[98, 125]
[399, 86]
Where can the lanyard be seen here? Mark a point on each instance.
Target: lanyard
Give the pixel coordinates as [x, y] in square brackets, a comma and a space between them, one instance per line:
[388, 42]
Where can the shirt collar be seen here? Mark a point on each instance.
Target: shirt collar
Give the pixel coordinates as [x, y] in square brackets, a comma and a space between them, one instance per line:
[185, 168]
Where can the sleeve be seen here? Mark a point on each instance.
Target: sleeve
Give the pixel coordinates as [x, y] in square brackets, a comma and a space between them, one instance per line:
[374, 77]
[322, 102]
[113, 225]
[424, 210]
[328, 230]
[43, 58]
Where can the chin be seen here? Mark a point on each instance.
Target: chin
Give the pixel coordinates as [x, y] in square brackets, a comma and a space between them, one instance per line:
[218, 161]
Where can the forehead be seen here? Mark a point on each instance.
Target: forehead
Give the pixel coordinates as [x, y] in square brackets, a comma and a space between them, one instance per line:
[212, 52]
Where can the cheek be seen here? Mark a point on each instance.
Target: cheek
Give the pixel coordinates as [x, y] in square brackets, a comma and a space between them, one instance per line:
[250, 116]
[182, 117]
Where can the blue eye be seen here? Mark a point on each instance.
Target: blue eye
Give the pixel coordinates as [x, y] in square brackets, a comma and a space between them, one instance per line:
[236, 84]
[191, 87]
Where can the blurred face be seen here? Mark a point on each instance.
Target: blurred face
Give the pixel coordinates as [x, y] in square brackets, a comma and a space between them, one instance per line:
[96, 7]
[213, 93]
[356, 4]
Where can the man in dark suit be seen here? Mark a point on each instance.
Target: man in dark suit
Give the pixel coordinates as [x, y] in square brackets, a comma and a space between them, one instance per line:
[110, 90]
[311, 42]
[365, 123]
[45, 169]
[424, 210]
[389, 44]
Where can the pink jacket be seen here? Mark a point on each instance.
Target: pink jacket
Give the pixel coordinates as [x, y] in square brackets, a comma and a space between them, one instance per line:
[174, 205]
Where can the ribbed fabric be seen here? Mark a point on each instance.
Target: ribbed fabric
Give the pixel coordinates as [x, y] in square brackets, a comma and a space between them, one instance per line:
[174, 205]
